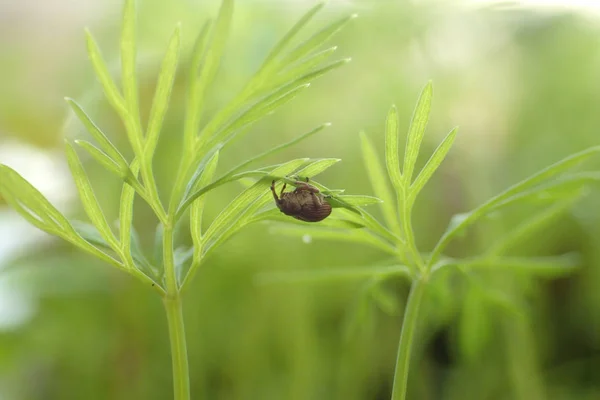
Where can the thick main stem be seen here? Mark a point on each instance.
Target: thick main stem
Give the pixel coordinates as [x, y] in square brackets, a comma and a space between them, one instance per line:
[409, 326]
[174, 310]
[181, 380]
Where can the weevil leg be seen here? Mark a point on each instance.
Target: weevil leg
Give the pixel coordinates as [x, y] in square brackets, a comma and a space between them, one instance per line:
[282, 189]
[273, 191]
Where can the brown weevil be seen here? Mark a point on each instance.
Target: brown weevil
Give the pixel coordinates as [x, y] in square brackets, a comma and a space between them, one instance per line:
[305, 203]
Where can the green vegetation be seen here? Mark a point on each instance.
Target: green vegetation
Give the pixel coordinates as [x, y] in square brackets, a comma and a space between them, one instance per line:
[350, 307]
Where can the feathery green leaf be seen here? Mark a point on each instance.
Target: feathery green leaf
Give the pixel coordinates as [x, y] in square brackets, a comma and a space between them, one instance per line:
[416, 133]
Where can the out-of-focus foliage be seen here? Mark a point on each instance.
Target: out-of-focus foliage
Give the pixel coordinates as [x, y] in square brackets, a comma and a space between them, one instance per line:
[520, 83]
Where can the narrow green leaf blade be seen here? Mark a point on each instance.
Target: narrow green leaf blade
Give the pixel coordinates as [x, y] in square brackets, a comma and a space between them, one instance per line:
[197, 207]
[88, 198]
[257, 111]
[303, 67]
[101, 157]
[416, 132]
[274, 150]
[216, 47]
[530, 226]
[128, 57]
[32, 216]
[163, 91]
[287, 38]
[269, 93]
[270, 67]
[316, 167]
[129, 80]
[379, 183]
[195, 89]
[126, 213]
[111, 91]
[545, 174]
[278, 85]
[315, 40]
[563, 188]
[192, 197]
[218, 40]
[193, 181]
[433, 163]
[392, 159]
[359, 200]
[527, 188]
[549, 192]
[30, 203]
[104, 143]
[37, 210]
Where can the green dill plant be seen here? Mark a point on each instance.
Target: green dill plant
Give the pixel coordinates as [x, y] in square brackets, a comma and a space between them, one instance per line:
[396, 183]
[285, 73]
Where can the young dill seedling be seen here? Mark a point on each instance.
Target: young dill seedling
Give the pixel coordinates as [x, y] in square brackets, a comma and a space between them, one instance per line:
[285, 73]
[395, 235]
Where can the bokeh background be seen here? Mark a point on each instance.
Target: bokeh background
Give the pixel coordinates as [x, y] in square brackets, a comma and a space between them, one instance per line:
[521, 79]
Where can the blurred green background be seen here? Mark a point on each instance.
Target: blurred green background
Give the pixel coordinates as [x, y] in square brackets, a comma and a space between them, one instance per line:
[522, 83]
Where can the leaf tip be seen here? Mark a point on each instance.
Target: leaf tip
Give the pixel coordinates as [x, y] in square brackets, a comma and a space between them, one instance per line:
[69, 148]
[177, 29]
[429, 86]
[71, 102]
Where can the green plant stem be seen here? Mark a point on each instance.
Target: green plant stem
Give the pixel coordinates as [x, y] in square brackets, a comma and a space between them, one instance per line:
[406, 206]
[407, 333]
[411, 312]
[169, 260]
[173, 308]
[181, 380]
